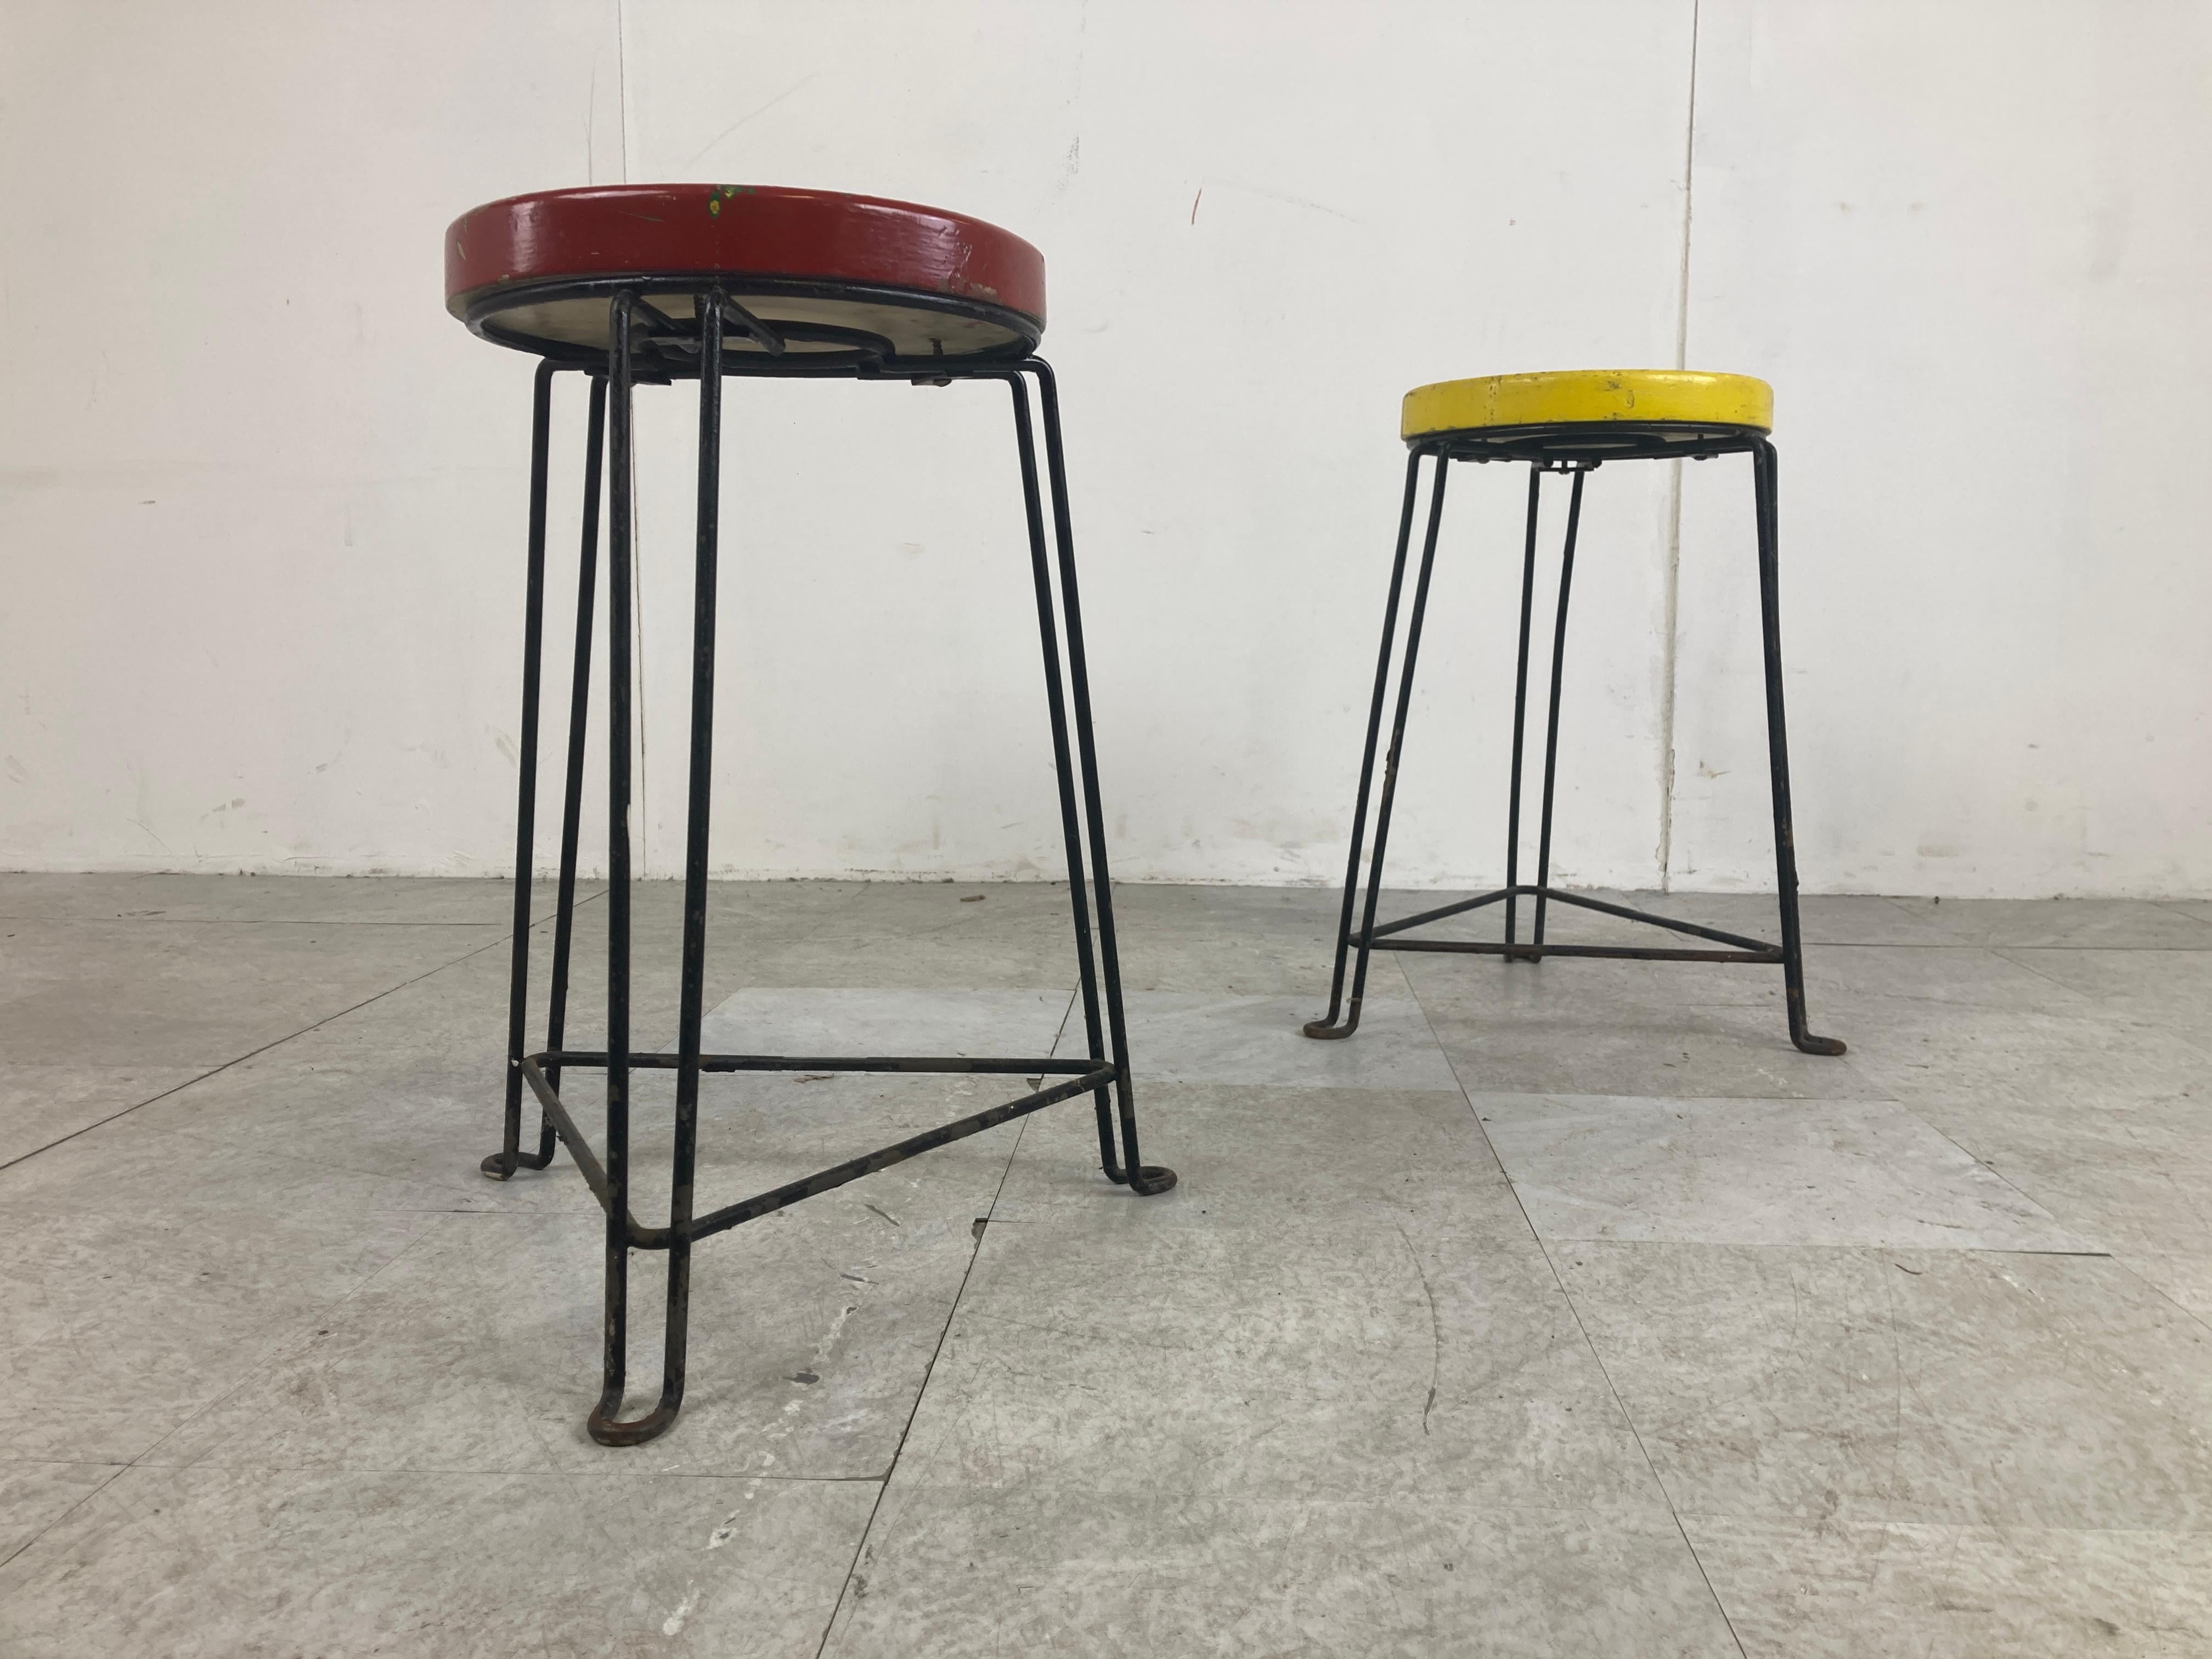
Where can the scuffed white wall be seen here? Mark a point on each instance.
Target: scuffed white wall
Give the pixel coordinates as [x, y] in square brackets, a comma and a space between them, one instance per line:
[261, 501]
[1972, 246]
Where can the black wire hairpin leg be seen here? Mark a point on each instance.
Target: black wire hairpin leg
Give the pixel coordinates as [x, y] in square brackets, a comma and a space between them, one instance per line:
[1354, 945]
[1103, 1072]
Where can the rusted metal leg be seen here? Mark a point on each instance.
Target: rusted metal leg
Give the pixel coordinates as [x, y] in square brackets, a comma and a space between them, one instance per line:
[1552, 727]
[603, 1427]
[1365, 940]
[602, 1423]
[1765, 469]
[1142, 1178]
[1521, 713]
[502, 1164]
[580, 701]
[1326, 1025]
[1064, 771]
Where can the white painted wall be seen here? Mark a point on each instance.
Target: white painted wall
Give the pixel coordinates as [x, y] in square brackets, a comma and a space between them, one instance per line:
[261, 501]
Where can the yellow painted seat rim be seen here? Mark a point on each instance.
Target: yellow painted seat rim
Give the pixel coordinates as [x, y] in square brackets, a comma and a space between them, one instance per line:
[1588, 397]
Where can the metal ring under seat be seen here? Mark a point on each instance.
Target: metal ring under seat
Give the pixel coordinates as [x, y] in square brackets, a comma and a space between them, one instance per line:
[835, 280]
[1589, 414]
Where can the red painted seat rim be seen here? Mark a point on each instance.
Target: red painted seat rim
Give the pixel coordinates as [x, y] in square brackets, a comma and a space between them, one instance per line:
[727, 230]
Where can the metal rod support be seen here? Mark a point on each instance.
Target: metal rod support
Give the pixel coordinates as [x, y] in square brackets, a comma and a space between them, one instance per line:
[1766, 471]
[956, 1065]
[1443, 910]
[642, 340]
[715, 1221]
[1551, 725]
[1064, 770]
[615, 1196]
[503, 1164]
[1628, 952]
[1146, 1179]
[1370, 935]
[1521, 701]
[1327, 1026]
[580, 707]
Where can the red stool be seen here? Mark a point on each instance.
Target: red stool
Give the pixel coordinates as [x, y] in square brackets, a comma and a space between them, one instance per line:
[655, 283]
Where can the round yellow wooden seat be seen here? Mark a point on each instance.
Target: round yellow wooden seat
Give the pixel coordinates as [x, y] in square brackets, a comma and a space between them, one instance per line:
[1649, 410]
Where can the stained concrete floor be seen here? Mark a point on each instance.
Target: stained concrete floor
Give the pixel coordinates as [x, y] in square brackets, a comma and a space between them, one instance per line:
[1566, 1311]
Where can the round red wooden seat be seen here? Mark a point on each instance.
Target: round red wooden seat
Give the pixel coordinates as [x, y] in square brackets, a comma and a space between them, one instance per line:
[831, 274]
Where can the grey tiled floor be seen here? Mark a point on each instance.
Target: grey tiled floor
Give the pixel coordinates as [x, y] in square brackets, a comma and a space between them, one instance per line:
[1565, 1310]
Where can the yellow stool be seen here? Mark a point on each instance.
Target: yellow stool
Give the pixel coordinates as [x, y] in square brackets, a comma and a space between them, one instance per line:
[1569, 422]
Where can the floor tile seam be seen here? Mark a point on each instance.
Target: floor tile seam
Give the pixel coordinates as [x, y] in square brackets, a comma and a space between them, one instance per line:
[1925, 1251]
[264, 1049]
[1438, 1498]
[1812, 1244]
[1884, 1515]
[1687, 1100]
[1371, 997]
[1589, 1346]
[2101, 950]
[1798, 1521]
[1959, 943]
[1118, 1338]
[712, 1474]
[187, 1210]
[1893, 900]
[2011, 953]
[1060, 1033]
[446, 1219]
[1620, 1405]
[929, 1373]
[1918, 1109]
[1901, 902]
[1171, 1079]
[209, 1143]
[549, 1471]
[1711, 1589]
[2135, 1272]
[1658, 1480]
[2010, 945]
[256, 921]
[1590, 1094]
[18, 1459]
[1999, 944]
[118, 1471]
[278, 1353]
[1466, 1099]
[1981, 1163]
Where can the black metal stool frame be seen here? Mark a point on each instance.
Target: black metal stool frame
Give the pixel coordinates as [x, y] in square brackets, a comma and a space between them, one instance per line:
[650, 346]
[1576, 450]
